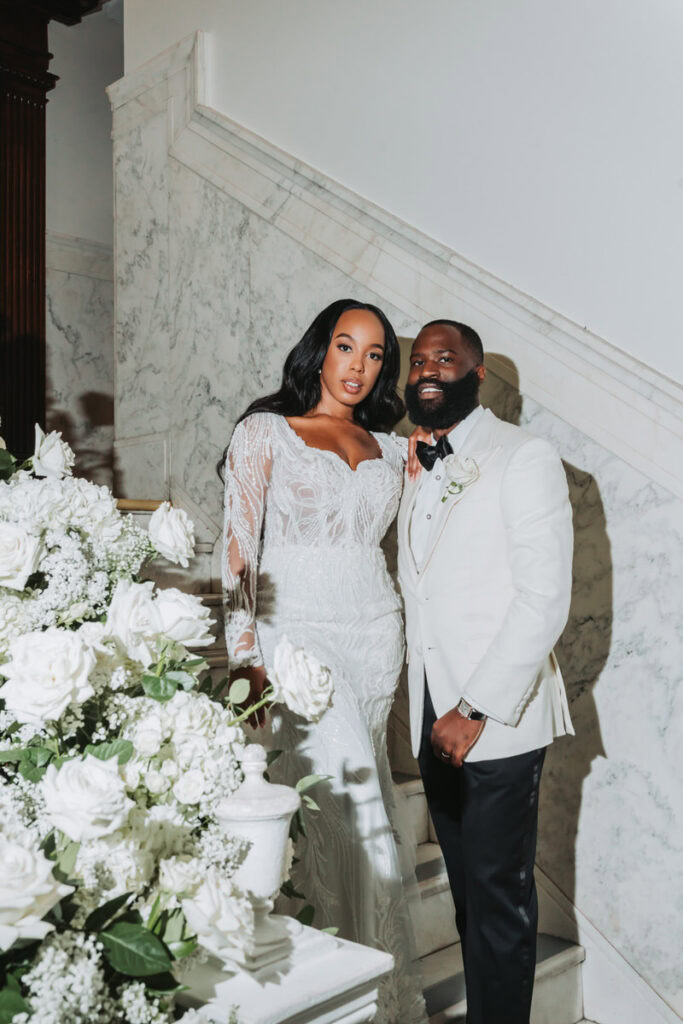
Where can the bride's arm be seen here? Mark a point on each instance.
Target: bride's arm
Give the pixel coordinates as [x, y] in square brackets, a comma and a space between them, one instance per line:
[247, 475]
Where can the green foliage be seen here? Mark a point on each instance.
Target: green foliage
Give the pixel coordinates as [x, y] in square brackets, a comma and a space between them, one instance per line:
[8, 464]
[306, 914]
[133, 950]
[123, 749]
[159, 687]
[102, 915]
[11, 1000]
[310, 780]
[239, 691]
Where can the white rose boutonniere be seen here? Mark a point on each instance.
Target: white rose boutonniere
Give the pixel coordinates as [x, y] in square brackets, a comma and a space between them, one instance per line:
[28, 890]
[300, 681]
[171, 531]
[460, 473]
[52, 456]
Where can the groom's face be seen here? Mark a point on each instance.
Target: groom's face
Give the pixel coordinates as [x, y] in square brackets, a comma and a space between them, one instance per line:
[444, 378]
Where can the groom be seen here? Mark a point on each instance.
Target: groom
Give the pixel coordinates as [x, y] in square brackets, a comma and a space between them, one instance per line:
[485, 556]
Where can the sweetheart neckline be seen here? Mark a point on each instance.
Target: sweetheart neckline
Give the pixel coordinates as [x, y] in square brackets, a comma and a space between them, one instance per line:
[336, 455]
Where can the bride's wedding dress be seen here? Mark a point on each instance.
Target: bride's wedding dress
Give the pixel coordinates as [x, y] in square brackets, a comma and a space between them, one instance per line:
[303, 558]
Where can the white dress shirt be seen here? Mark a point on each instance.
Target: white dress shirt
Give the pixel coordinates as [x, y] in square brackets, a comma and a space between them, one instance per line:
[430, 489]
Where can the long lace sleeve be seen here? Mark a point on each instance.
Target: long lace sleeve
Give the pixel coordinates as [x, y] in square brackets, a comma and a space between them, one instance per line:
[247, 474]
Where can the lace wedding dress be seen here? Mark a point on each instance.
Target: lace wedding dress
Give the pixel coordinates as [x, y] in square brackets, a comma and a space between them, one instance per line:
[302, 557]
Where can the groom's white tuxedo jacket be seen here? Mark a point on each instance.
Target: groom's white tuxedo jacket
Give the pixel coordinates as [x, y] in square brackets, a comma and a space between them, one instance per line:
[491, 596]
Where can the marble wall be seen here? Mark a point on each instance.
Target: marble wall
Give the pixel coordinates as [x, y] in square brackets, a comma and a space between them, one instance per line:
[210, 297]
[80, 351]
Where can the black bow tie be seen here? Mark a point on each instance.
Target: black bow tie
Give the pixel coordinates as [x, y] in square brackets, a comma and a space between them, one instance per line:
[429, 453]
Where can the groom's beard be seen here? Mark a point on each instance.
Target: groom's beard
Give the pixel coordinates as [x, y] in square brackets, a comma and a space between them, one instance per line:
[459, 398]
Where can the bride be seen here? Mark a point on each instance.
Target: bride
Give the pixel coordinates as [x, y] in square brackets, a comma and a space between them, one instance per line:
[312, 483]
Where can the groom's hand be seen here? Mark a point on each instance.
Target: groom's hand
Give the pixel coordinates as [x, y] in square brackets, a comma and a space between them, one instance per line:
[453, 736]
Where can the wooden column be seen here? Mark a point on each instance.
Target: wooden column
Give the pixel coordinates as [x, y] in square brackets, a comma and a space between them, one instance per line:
[24, 84]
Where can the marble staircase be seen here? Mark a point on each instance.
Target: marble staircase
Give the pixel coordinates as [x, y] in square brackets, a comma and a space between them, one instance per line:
[558, 997]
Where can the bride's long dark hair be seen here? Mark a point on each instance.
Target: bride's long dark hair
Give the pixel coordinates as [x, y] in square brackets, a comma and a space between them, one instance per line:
[299, 391]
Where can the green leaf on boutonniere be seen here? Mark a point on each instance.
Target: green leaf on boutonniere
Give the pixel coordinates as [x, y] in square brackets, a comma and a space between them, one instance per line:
[123, 749]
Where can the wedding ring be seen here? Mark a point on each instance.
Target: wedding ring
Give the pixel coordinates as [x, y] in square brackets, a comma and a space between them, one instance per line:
[445, 756]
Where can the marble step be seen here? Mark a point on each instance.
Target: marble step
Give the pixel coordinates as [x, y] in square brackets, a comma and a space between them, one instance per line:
[558, 997]
[433, 915]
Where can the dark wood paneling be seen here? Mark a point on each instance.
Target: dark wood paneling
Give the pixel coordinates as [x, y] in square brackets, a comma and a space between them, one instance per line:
[24, 83]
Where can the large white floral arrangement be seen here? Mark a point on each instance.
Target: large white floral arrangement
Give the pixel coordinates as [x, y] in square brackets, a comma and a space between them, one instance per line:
[114, 755]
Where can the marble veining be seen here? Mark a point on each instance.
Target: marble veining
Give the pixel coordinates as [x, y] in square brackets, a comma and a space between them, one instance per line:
[210, 296]
[80, 366]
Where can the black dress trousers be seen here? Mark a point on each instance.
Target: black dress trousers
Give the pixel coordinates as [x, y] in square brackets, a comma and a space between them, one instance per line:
[485, 815]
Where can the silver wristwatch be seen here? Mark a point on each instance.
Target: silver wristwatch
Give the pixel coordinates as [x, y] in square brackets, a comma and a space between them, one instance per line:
[467, 711]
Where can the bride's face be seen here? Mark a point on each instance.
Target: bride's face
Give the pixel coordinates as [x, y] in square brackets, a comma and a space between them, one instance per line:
[354, 358]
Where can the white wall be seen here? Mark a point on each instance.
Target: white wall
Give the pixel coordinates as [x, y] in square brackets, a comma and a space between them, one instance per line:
[87, 57]
[539, 139]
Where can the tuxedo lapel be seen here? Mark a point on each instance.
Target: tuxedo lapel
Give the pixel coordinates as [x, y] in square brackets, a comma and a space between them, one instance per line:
[479, 446]
[410, 491]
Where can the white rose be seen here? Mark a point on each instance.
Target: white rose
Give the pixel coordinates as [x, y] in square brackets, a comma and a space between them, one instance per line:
[47, 672]
[132, 773]
[149, 735]
[52, 456]
[156, 782]
[189, 788]
[86, 799]
[2, 444]
[19, 555]
[196, 716]
[170, 769]
[134, 620]
[28, 890]
[171, 531]
[460, 471]
[184, 618]
[300, 681]
[221, 916]
[179, 875]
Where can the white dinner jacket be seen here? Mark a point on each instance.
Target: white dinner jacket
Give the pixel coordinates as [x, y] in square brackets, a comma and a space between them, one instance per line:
[492, 597]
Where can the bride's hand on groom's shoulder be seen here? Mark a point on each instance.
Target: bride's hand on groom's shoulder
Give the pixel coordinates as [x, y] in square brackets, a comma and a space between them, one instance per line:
[258, 683]
[419, 434]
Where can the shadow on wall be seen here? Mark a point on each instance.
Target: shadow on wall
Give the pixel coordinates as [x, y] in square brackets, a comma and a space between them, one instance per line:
[89, 429]
[583, 648]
